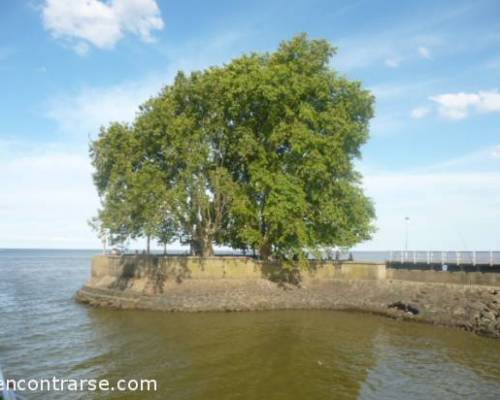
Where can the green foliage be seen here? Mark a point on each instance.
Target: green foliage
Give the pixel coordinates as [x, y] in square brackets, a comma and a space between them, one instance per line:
[255, 154]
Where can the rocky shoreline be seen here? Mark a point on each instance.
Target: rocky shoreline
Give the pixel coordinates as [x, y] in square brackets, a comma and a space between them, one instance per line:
[474, 308]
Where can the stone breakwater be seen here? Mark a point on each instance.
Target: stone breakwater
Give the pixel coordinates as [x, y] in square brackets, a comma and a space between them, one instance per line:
[238, 284]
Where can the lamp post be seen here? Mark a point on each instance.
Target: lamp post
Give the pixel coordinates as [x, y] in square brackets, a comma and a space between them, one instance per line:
[407, 220]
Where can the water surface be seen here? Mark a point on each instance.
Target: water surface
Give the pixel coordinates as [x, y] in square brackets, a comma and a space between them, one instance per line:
[253, 355]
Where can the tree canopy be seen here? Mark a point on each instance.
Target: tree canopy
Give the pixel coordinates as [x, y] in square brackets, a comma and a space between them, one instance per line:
[255, 154]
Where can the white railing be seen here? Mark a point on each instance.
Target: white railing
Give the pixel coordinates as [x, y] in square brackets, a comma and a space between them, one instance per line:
[490, 258]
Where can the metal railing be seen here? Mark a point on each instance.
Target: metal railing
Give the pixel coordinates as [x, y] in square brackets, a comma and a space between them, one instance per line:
[485, 258]
[446, 257]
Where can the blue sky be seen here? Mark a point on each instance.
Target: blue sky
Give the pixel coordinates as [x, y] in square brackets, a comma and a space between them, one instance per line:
[70, 66]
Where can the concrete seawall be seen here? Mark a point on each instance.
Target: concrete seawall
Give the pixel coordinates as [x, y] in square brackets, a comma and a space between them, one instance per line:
[467, 300]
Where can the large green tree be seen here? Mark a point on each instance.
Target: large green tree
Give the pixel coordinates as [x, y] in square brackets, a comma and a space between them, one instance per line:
[258, 153]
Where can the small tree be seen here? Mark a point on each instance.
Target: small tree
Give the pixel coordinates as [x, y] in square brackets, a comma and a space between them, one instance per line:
[167, 233]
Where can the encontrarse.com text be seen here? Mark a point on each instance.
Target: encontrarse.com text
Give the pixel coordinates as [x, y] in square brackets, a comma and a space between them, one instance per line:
[55, 384]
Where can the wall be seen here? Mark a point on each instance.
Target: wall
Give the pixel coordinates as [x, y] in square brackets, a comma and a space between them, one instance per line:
[106, 269]
[238, 284]
[455, 277]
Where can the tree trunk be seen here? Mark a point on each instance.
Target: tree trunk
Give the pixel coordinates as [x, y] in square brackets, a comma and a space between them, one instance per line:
[164, 249]
[202, 246]
[194, 248]
[148, 244]
[201, 242]
[265, 251]
[208, 250]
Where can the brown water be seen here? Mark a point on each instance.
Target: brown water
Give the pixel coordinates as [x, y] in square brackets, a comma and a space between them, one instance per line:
[262, 355]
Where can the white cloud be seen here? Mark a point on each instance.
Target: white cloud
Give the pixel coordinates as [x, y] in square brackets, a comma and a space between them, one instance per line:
[399, 90]
[424, 52]
[458, 105]
[387, 124]
[392, 46]
[392, 62]
[362, 52]
[455, 105]
[419, 112]
[47, 197]
[496, 152]
[81, 48]
[98, 23]
[84, 112]
[448, 210]
[389, 49]
[410, 35]
[482, 160]
[452, 205]
[489, 101]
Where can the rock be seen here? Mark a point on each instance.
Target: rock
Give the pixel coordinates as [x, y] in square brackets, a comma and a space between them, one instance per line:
[488, 316]
[477, 305]
[459, 311]
[408, 308]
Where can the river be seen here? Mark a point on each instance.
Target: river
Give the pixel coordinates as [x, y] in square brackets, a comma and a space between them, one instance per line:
[217, 356]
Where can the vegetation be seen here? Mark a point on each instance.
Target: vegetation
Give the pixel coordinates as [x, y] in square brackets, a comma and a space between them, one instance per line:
[256, 154]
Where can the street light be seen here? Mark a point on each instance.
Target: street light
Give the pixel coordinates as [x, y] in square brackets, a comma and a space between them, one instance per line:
[407, 220]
